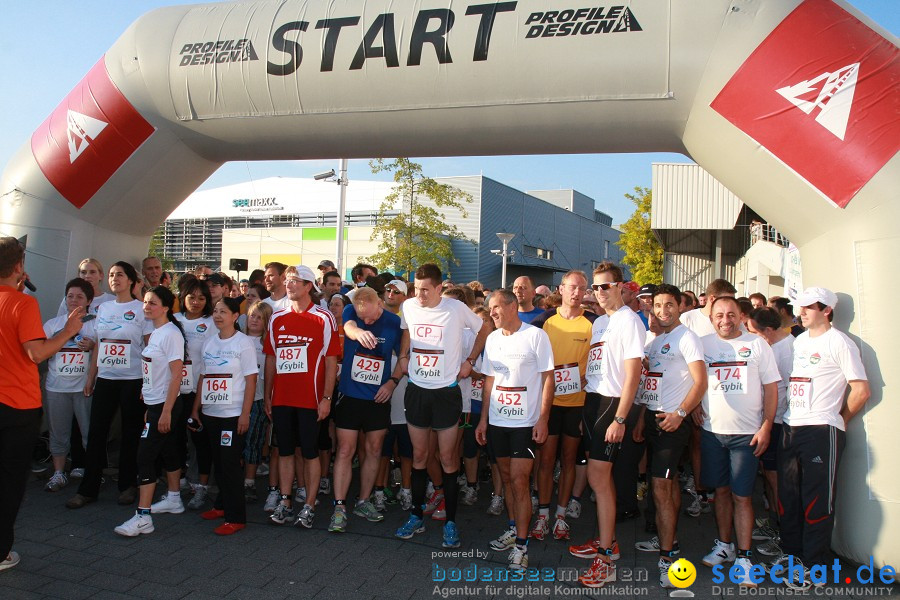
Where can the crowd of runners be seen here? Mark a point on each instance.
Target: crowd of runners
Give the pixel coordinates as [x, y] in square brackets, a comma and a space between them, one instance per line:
[601, 391]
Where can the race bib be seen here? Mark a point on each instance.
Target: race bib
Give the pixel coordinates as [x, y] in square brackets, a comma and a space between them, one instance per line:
[367, 369]
[477, 389]
[292, 358]
[187, 377]
[114, 354]
[650, 386]
[427, 364]
[512, 402]
[71, 362]
[216, 389]
[595, 358]
[147, 372]
[730, 377]
[567, 379]
[799, 393]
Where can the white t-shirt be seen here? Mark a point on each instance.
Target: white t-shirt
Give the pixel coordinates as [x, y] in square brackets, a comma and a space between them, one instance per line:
[737, 369]
[823, 366]
[121, 328]
[196, 331]
[226, 364]
[465, 384]
[92, 309]
[277, 305]
[436, 338]
[784, 359]
[668, 379]
[593, 372]
[166, 345]
[622, 340]
[261, 369]
[516, 362]
[398, 406]
[67, 369]
[698, 322]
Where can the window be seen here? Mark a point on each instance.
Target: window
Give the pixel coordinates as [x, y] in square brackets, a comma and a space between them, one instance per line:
[536, 252]
[605, 248]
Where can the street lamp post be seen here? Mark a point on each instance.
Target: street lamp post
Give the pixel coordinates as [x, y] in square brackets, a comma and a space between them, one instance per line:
[505, 238]
[342, 182]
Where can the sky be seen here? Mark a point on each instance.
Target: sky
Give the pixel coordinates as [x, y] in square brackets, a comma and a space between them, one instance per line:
[50, 45]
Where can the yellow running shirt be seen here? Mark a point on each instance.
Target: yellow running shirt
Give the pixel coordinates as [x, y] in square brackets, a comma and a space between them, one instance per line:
[571, 341]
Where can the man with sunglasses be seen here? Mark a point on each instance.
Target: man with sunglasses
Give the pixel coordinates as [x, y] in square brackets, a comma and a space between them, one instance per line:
[613, 374]
[674, 383]
[569, 329]
[394, 295]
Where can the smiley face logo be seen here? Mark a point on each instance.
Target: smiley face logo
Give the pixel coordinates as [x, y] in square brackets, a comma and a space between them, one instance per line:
[682, 573]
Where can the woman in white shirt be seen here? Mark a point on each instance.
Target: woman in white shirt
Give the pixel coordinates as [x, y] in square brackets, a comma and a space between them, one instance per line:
[114, 379]
[66, 376]
[225, 392]
[91, 271]
[161, 364]
[258, 316]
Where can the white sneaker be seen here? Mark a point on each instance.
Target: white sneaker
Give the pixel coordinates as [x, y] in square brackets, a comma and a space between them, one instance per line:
[135, 526]
[496, 506]
[57, 482]
[168, 504]
[663, 566]
[745, 565]
[77, 473]
[200, 491]
[518, 559]
[652, 545]
[693, 509]
[469, 495]
[405, 498]
[378, 501]
[573, 509]
[271, 501]
[262, 469]
[300, 496]
[721, 553]
[324, 486]
[506, 541]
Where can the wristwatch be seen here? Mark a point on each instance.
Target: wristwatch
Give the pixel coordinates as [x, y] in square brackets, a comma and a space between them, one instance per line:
[395, 380]
[471, 361]
[620, 420]
[681, 413]
[326, 398]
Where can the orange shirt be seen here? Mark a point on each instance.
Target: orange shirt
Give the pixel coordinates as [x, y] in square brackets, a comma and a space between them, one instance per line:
[20, 322]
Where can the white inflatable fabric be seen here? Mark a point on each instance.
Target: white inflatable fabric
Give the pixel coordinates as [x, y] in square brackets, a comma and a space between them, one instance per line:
[794, 105]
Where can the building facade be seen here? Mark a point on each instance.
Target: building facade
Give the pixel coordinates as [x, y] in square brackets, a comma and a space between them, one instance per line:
[294, 221]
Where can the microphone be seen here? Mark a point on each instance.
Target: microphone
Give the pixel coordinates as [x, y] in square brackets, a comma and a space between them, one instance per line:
[30, 285]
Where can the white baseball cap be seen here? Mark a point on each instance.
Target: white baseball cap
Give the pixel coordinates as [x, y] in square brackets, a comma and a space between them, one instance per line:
[399, 284]
[812, 295]
[306, 274]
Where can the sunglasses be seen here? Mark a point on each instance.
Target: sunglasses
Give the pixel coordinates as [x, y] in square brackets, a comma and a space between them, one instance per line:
[604, 286]
[392, 292]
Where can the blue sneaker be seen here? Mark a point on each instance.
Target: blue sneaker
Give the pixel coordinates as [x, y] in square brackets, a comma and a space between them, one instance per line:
[451, 536]
[412, 526]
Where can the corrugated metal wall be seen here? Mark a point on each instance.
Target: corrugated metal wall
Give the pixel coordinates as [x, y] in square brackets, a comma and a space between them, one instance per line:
[687, 272]
[687, 197]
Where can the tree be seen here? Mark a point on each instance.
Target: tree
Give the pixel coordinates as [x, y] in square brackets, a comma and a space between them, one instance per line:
[643, 252]
[419, 233]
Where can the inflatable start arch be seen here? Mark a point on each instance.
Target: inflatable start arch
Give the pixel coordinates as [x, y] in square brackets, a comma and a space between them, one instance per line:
[793, 104]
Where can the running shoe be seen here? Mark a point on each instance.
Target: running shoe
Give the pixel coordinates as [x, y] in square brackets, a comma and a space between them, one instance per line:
[591, 549]
[250, 492]
[764, 532]
[57, 482]
[300, 496]
[451, 535]
[744, 564]
[518, 559]
[11, 560]
[405, 498]
[305, 516]
[367, 511]
[541, 528]
[770, 548]
[599, 574]
[412, 526]
[283, 515]
[721, 552]
[200, 492]
[506, 541]
[434, 500]
[77, 473]
[560, 529]
[693, 509]
[663, 566]
[652, 545]
[271, 500]
[168, 504]
[324, 486]
[135, 526]
[440, 512]
[338, 521]
[642, 489]
[573, 510]
[390, 497]
[262, 470]
[469, 495]
[496, 506]
[378, 501]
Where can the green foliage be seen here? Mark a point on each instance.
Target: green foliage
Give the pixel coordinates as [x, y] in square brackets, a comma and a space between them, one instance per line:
[156, 249]
[419, 233]
[643, 252]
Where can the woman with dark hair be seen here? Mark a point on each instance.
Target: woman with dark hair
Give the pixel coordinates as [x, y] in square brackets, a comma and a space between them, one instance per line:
[64, 386]
[161, 363]
[196, 322]
[255, 293]
[114, 379]
[225, 393]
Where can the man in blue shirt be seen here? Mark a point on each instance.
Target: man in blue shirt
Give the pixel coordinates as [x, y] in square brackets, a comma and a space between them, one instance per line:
[371, 336]
[523, 288]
